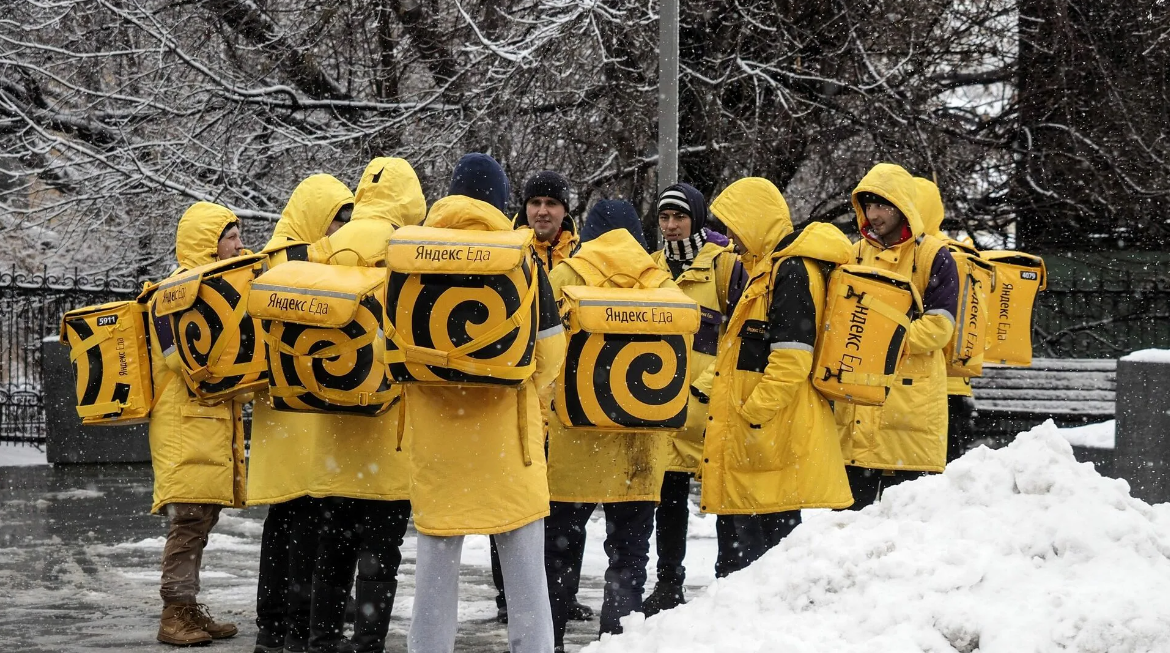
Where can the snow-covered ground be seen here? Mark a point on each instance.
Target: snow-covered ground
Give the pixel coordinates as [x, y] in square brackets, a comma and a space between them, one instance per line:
[1102, 435]
[1022, 549]
[12, 455]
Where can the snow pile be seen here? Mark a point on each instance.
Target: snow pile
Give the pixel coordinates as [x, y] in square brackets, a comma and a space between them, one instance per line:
[1148, 356]
[1017, 550]
[1092, 436]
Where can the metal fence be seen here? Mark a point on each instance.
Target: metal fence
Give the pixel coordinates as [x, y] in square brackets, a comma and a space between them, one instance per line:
[1102, 317]
[1104, 313]
[31, 307]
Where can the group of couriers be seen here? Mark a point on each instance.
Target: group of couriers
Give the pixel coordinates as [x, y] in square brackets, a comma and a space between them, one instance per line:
[760, 440]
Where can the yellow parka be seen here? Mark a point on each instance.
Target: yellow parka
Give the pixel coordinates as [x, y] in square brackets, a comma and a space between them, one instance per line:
[197, 451]
[475, 467]
[930, 207]
[322, 455]
[590, 466]
[708, 282]
[771, 443]
[908, 432]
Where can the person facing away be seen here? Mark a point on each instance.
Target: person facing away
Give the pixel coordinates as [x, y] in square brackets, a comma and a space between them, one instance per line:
[476, 466]
[184, 436]
[319, 205]
[622, 470]
[710, 273]
[771, 447]
[907, 435]
[546, 212]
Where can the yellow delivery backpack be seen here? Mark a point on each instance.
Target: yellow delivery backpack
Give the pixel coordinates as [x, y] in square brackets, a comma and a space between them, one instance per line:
[217, 345]
[1018, 278]
[863, 341]
[628, 357]
[109, 347]
[964, 353]
[461, 306]
[323, 335]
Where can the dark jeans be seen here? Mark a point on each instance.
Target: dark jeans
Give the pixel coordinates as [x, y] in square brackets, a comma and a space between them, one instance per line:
[362, 532]
[670, 525]
[288, 553]
[867, 485]
[743, 539]
[960, 426]
[627, 545]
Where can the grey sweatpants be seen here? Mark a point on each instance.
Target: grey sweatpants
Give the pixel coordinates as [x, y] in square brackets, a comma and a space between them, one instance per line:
[436, 592]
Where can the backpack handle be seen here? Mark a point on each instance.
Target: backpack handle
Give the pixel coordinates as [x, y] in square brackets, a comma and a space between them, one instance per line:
[361, 258]
[637, 280]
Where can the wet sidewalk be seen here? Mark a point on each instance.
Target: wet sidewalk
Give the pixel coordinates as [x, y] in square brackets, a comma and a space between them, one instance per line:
[79, 558]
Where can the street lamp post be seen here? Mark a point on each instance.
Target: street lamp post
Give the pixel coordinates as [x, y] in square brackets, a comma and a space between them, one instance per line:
[667, 94]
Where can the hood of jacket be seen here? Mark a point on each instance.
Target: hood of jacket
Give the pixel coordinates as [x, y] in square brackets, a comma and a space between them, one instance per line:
[611, 215]
[893, 183]
[929, 203]
[818, 240]
[389, 190]
[310, 209]
[618, 251]
[462, 212]
[480, 177]
[755, 211]
[197, 238]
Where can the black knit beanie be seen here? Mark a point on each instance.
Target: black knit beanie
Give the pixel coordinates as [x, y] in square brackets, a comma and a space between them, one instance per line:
[547, 184]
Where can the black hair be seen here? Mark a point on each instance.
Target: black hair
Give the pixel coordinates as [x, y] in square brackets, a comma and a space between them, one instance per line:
[344, 213]
[226, 229]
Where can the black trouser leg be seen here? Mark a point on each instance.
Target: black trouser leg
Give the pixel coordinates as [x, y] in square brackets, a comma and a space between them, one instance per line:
[272, 579]
[381, 526]
[334, 574]
[304, 533]
[776, 526]
[741, 542]
[865, 484]
[497, 575]
[670, 524]
[960, 425]
[627, 545]
[565, 523]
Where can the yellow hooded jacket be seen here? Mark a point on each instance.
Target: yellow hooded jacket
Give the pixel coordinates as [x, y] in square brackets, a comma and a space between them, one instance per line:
[553, 254]
[707, 281]
[306, 216]
[930, 208]
[771, 443]
[589, 466]
[324, 455]
[197, 451]
[908, 432]
[475, 468]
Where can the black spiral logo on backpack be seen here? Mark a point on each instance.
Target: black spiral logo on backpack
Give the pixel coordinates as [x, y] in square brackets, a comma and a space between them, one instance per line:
[441, 311]
[627, 381]
[360, 370]
[201, 326]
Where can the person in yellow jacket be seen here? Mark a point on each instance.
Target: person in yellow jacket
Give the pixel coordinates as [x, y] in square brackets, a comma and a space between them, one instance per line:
[709, 272]
[197, 451]
[288, 546]
[771, 447]
[960, 401]
[546, 213]
[476, 467]
[350, 462]
[621, 470]
[907, 435]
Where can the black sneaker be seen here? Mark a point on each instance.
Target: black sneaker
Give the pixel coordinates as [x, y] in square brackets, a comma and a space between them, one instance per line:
[664, 597]
[580, 612]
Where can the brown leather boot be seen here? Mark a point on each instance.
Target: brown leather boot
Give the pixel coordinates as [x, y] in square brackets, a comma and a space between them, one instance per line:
[217, 631]
[179, 627]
